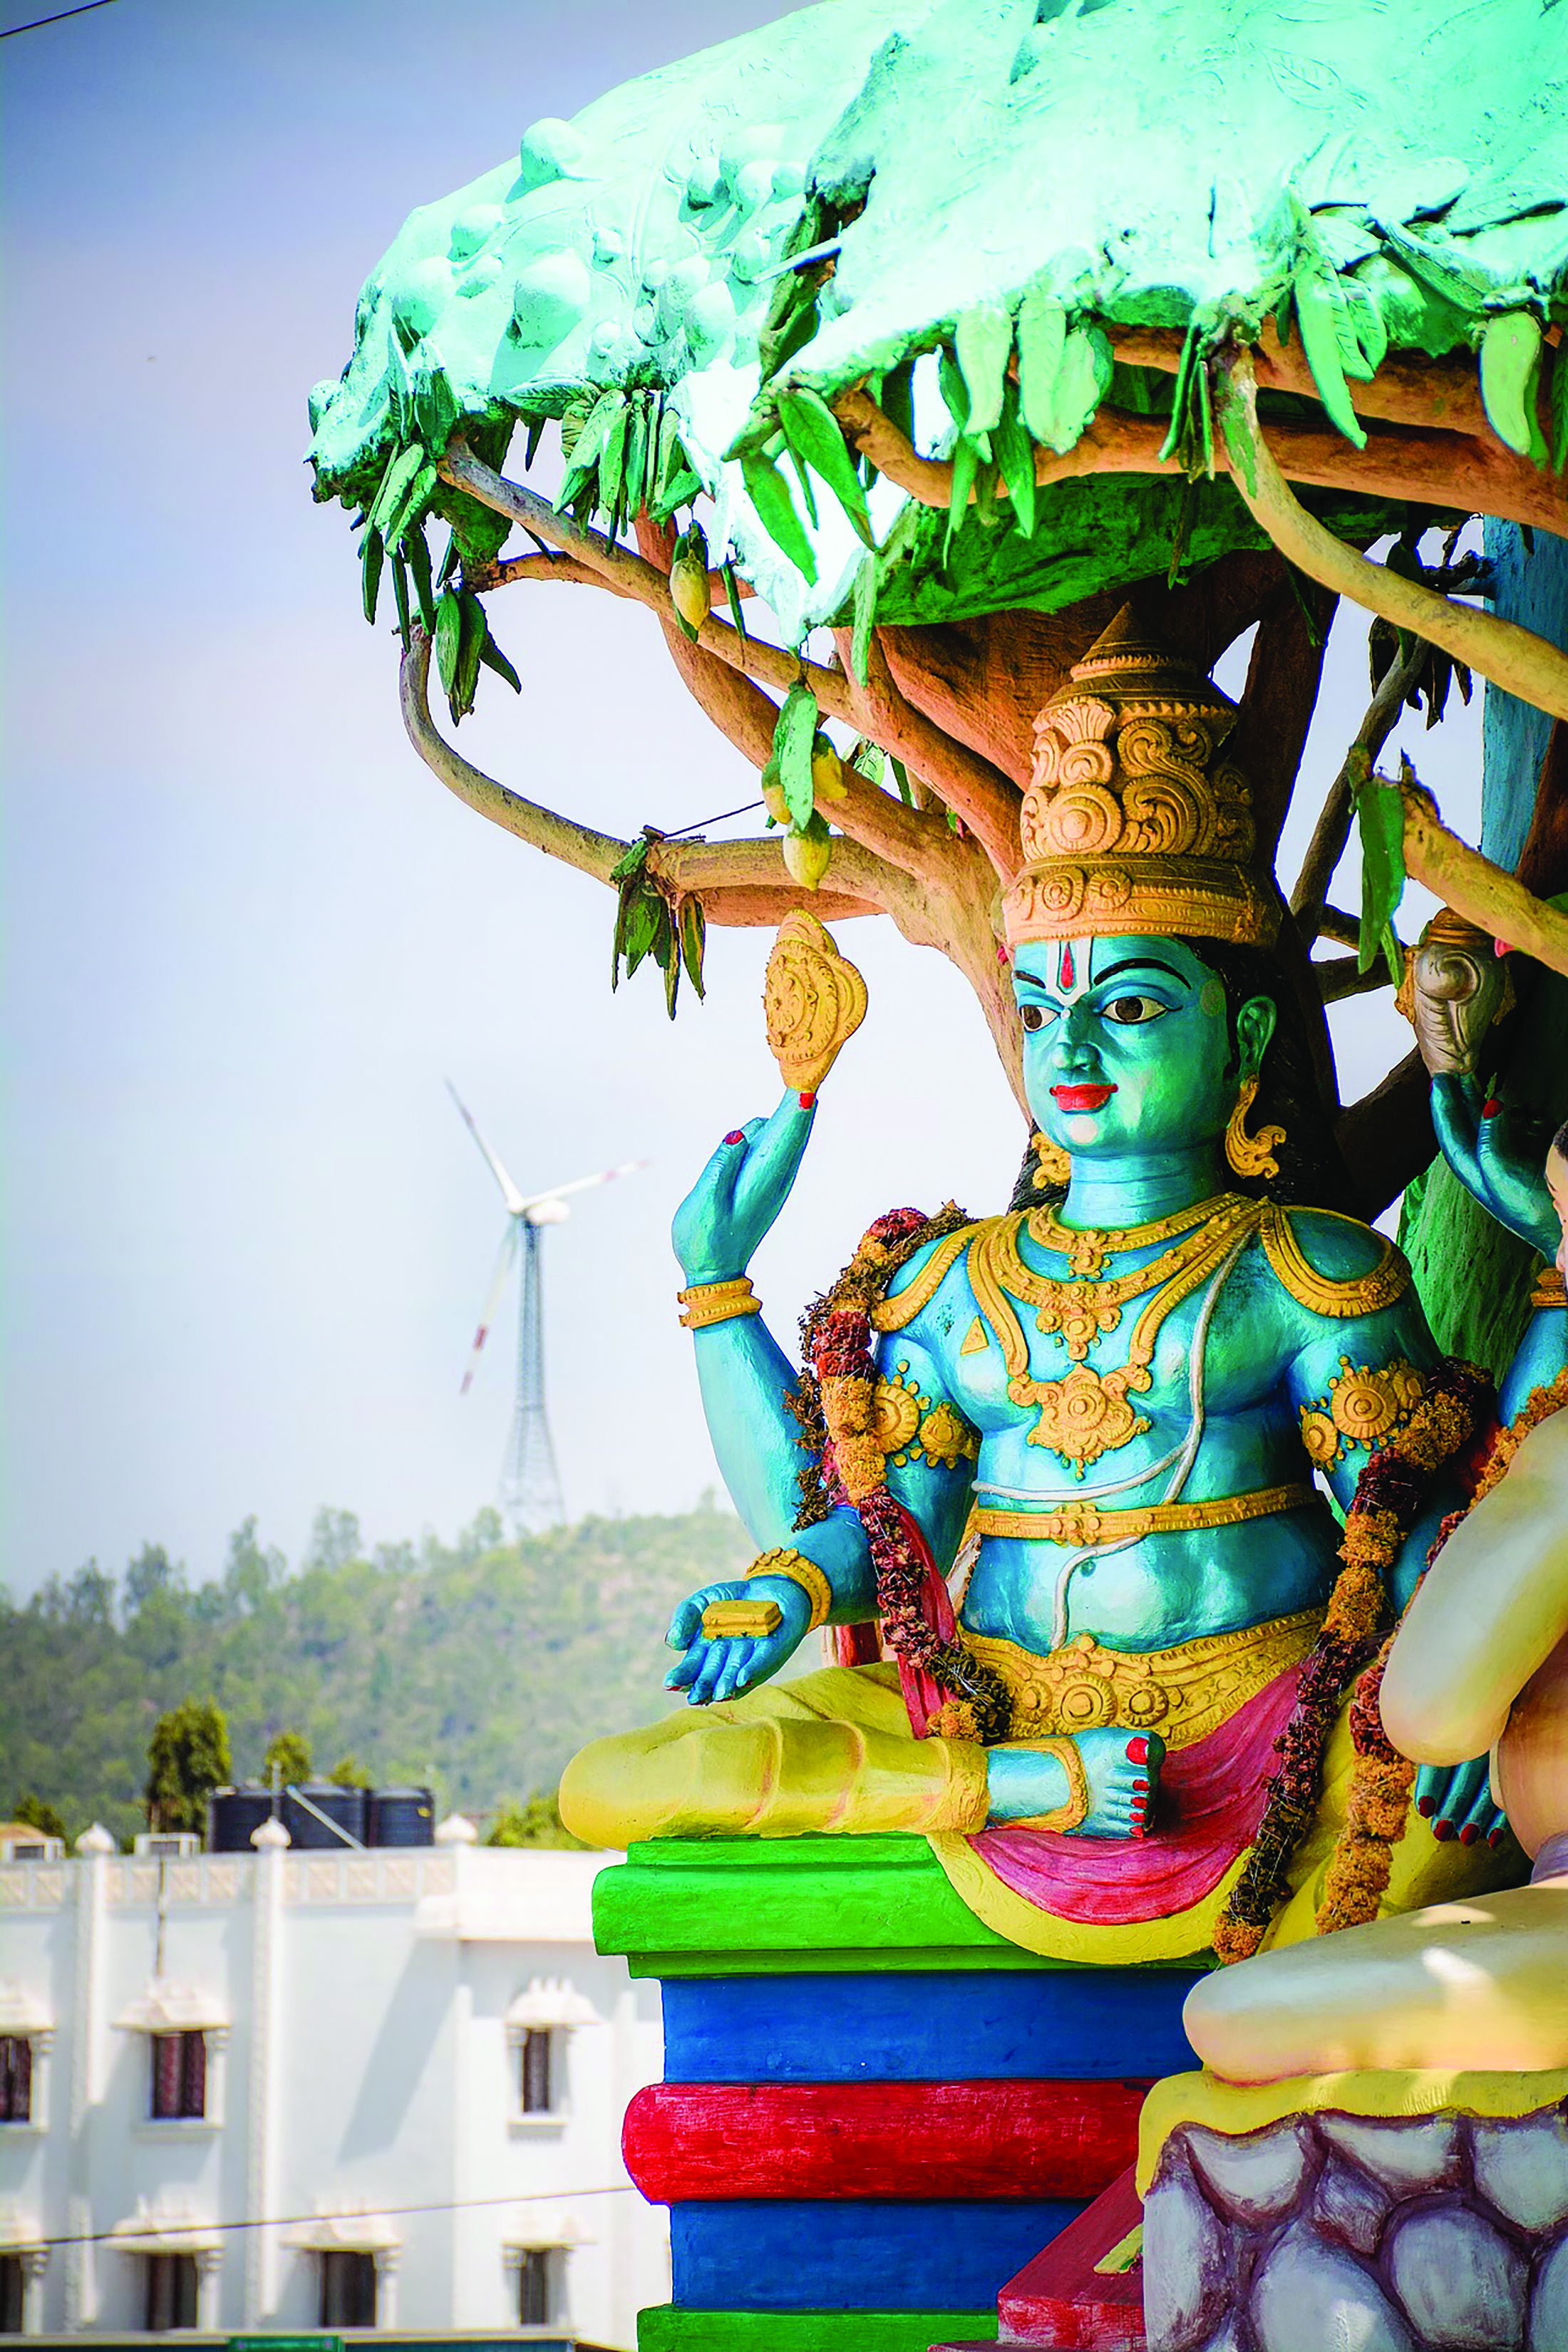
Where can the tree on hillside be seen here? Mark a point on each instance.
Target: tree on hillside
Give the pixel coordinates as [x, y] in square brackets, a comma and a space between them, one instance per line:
[252, 1571]
[150, 1577]
[289, 1756]
[335, 1539]
[188, 1758]
[38, 1813]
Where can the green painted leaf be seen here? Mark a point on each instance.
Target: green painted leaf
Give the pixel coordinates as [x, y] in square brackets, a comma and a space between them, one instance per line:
[954, 391]
[901, 778]
[1082, 381]
[493, 658]
[1015, 457]
[400, 596]
[371, 552]
[1318, 309]
[794, 734]
[583, 463]
[865, 617]
[531, 446]
[1181, 394]
[473, 629]
[417, 552]
[449, 637]
[636, 467]
[1560, 408]
[612, 462]
[1380, 814]
[732, 592]
[769, 494]
[693, 941]
[816, 438]
[965, 469]
[1042, 339]
[634, 860]
[1366, 320]
[396, 482]
[984, 345]
[1510, 374]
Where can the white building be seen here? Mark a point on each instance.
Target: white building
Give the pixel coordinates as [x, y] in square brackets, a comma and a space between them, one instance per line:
[282, 2092]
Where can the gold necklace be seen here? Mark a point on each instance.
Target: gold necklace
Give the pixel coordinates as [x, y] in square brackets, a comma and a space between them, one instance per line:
[1086, 1413]
[1087, 1247]
[1083, 1311]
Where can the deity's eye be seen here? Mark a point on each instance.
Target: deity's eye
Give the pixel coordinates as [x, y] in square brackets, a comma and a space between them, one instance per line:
[1128, 1011]
[1034, 1016]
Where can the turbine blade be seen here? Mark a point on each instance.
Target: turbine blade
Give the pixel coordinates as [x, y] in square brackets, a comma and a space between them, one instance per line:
[510, 1193]
[583, 1184]
[504, 1257]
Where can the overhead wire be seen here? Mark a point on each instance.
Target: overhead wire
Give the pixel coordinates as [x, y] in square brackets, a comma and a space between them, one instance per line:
[37, 24]
[174, 2226]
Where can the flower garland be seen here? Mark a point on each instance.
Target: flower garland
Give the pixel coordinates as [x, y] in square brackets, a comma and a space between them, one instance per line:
[1379, 1803]
[1389, 1495]
[834, 1408]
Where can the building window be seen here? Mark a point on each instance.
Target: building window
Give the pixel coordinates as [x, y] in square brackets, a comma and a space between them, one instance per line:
[16, 2079]
[171, 2291]
[179, 2076]
[13, 2294]
[539, 2072]
[348, 2289]
[533, 2284]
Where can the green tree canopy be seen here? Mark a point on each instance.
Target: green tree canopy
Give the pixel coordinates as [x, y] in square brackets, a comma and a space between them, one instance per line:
[289, 1756]
[188, 1758]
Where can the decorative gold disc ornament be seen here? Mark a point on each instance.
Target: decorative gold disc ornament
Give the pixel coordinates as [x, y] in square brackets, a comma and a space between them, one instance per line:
[1132, 820]
[814, 1000]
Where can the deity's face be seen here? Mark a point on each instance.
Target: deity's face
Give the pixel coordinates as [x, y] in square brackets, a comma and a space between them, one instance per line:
[1557, 1185]
[1127, 1048]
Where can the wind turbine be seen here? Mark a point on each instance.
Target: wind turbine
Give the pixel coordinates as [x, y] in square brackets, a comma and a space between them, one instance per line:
[530, 1483]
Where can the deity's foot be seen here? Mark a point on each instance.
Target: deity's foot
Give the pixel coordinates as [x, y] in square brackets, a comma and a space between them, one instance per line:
[1102, 1783]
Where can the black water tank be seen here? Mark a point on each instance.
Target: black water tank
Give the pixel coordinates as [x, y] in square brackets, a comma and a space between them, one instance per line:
[402, 1817]
[234, 1813]
[346, 1807]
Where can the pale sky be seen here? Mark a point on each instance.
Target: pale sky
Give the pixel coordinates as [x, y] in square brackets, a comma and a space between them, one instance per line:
[248, 936]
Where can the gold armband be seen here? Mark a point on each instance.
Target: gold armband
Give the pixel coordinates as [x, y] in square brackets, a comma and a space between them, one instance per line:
[1076, 1809]
[740, 1620]
[1549, 1290]
[717, 1302]
[795, 1565]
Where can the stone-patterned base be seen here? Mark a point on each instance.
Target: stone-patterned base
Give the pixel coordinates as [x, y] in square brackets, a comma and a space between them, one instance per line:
[1442, 2234]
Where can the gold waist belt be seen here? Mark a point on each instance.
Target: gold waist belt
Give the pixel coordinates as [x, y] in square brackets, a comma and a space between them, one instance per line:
[1183, 1694]
[1080, 1524]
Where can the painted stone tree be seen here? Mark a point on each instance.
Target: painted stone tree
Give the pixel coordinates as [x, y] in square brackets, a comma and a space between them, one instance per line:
[890, 349]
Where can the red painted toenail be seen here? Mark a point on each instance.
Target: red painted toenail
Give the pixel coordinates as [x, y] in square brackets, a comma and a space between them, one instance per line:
[1496, 1838]
[1425, 1807]
[1140, 1788]
[1442, 1832]
[1468, 1834]
[1490, 1108]
[1137, 1751]
[734, 1136]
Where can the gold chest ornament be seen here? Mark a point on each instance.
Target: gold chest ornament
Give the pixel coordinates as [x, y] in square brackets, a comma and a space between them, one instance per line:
[1085, 1412]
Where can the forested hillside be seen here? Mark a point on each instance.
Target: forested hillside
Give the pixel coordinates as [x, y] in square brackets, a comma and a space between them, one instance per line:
[482, 1667]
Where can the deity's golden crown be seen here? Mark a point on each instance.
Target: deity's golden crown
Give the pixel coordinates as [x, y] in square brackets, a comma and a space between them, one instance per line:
[1131, 820]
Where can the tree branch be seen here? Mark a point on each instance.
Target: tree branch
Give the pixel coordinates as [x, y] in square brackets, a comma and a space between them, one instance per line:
[1511, 656]
[1332, 829]
[1496, 902]
[978, 793]
[1442, 394]
[1449, 470]
[1386, 1138]
[739, 882]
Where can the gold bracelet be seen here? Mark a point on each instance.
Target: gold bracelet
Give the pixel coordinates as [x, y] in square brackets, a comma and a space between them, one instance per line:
[1549, 1290]
[1076, 1809]
[795, 1565]
[717, 1302]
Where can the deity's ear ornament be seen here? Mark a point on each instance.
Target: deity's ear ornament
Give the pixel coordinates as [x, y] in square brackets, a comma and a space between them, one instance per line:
[814, 1001]
[1054, 1167]
[1251, 1155]
[1132, 820]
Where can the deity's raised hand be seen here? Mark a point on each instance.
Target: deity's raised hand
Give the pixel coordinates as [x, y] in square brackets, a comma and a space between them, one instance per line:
[1500, 1156]
[739, 1195]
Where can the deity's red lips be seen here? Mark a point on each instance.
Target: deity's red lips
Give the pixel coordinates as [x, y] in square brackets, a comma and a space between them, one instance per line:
[1081, 1098]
